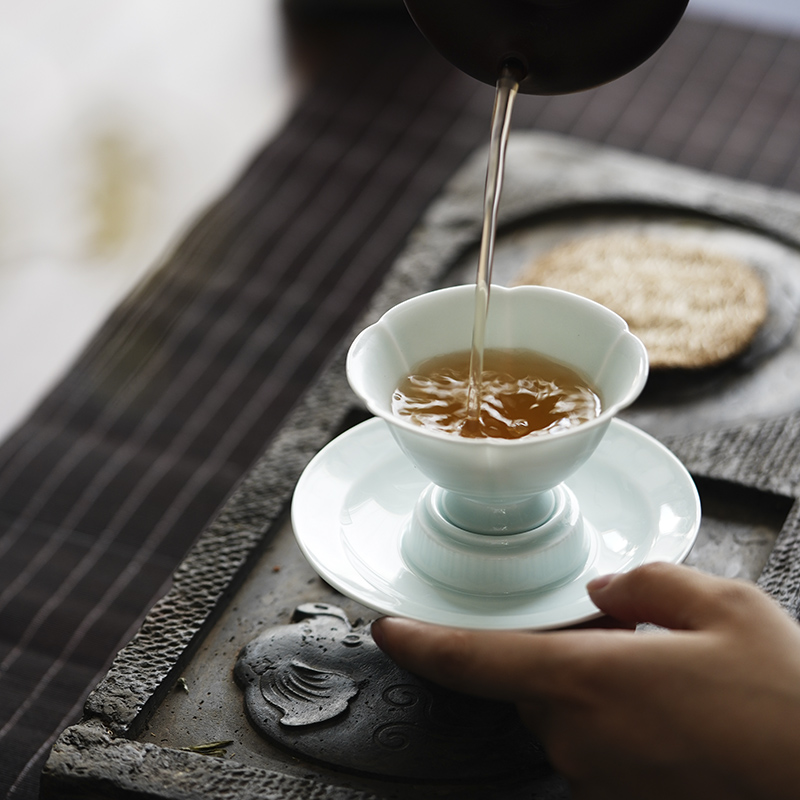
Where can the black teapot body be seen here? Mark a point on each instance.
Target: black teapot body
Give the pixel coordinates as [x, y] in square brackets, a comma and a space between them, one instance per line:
[552, 46]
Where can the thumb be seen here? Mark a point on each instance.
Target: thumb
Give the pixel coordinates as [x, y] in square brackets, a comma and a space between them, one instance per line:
[668, 595]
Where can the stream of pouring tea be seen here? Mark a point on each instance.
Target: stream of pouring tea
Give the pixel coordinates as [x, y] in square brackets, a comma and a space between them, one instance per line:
[505, 93]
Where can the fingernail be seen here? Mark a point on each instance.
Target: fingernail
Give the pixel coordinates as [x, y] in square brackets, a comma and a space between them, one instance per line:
[377, 633]
[596, 584]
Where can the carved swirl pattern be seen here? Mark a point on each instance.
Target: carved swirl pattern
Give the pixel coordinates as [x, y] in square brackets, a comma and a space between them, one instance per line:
[404, 695]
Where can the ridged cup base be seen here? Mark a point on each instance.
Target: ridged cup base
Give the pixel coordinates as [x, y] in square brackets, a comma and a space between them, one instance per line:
[492, 563]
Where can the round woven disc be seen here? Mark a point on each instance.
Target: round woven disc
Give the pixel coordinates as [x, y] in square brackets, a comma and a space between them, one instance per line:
[692, 308]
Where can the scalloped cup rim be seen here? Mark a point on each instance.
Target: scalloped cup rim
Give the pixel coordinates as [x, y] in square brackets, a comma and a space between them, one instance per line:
[606, 414]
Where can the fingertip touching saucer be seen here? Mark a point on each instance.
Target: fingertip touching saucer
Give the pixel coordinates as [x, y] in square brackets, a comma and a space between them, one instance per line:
[354, 501]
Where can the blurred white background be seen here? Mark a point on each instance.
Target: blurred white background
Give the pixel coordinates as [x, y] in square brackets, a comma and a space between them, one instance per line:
[121, 120]
[779, 15]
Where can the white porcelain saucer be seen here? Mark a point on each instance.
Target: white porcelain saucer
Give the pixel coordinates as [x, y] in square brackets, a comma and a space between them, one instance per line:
[356, 496]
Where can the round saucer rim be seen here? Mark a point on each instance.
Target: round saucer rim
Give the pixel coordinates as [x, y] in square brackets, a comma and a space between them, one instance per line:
[574, 610]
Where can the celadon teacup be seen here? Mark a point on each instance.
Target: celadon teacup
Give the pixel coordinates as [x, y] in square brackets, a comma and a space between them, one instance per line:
[497, 517]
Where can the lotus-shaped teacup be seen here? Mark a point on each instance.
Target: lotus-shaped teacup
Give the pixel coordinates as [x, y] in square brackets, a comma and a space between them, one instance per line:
[497, 517]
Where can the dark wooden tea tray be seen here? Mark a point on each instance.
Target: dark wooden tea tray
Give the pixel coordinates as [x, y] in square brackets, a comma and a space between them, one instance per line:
[169, 718]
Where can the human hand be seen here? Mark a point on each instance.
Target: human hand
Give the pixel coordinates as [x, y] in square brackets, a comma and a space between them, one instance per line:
[709, 710]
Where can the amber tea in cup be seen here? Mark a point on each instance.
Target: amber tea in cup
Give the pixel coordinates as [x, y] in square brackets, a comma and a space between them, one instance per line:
[523, 394]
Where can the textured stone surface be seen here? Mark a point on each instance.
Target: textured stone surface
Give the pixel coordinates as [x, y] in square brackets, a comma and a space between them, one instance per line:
[93, 763]
[550, 180]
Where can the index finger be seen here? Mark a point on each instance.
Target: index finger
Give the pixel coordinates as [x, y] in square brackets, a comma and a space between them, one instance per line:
[497, 665]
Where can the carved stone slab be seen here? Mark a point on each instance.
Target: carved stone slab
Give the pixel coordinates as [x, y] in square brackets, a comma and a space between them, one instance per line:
[323, 690]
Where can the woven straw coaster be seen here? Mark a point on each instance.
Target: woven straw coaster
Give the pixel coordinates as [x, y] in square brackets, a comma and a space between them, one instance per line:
[691, 307]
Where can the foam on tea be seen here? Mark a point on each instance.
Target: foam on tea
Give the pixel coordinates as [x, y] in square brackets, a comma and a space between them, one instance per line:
[523, 393]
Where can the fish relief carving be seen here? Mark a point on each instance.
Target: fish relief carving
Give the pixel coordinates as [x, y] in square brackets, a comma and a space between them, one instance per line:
[306, 695]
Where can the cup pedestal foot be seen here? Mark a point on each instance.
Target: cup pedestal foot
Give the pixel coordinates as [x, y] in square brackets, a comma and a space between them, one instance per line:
[501, 562]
